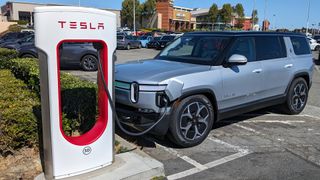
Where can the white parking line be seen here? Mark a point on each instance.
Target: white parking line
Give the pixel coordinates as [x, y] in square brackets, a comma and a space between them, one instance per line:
[236, 148]
[273, 121]
[247, 128]
[208, 165]
[185, 158]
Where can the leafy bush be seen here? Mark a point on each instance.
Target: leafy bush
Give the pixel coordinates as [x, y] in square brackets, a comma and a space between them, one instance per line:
[18, 127]
[78, 96]
[5, 56]
[15, 28]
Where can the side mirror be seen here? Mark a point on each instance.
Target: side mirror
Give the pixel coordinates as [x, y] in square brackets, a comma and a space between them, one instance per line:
[237, 59]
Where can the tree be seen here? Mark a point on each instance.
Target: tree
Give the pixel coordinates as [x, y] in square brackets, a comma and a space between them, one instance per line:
[255, 18]
[226, 13]
[148, 8]
[213, 13]
[127, 12]
[239, 10]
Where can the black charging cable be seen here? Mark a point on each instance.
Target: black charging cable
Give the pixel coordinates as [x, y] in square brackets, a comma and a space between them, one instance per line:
[98, 47]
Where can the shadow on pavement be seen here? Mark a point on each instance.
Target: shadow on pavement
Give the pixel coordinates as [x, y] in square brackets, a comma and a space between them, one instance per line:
[150, 141]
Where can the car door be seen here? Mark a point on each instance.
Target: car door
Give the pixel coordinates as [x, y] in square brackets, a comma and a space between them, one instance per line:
[70, 54]
[241, 83]
[277, 67]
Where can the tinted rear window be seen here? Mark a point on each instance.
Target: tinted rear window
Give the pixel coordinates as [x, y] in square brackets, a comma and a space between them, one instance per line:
[270, 47]
[300, 45]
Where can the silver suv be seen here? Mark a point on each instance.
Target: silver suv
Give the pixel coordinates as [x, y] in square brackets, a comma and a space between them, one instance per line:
[202, 78]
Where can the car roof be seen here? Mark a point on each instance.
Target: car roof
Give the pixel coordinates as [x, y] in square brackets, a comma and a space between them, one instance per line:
[245, 33]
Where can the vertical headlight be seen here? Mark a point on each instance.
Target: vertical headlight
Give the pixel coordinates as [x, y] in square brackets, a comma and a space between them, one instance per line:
[134, 92]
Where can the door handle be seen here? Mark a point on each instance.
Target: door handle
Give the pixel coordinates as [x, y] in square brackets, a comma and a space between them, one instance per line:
[288, 66]
[257, 71]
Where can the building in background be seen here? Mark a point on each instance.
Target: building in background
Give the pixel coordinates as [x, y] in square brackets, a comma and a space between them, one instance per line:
[23, 11]
[173, 18]
[202, 21]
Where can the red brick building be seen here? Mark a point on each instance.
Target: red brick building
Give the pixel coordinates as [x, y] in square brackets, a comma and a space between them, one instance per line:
[173, 18]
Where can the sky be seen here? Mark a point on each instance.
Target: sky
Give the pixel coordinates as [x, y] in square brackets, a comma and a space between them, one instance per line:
[288, 14]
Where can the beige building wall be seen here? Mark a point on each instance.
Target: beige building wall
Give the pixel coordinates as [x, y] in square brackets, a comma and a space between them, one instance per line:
[118, 14]
[5, 25]
[26, 7]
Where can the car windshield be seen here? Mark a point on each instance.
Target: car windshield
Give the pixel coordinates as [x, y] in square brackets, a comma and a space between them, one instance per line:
[195, 49]
[157, 38]
[167, 38]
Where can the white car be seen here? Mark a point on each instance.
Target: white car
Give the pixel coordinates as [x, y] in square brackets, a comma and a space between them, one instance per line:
[313, 44]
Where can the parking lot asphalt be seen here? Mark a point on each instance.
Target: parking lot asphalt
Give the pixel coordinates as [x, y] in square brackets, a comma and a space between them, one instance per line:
[258, 145]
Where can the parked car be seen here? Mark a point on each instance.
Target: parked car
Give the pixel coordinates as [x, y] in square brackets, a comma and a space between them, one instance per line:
[164, 41]
[127, 42]
[202, 78]
[314, 46]
[15, 44]
[144, 40]
[12, 36]
[72, 55]
[153, 43]
[317, 38]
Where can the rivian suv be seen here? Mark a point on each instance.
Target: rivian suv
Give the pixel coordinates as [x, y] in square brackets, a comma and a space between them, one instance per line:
[203, 77]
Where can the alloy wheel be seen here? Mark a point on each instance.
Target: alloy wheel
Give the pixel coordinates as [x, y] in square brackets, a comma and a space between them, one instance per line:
[194, 121]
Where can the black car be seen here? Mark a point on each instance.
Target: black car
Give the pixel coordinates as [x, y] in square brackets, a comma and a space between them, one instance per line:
[16, 44]
[164, 41]
[153, 43]
[72, 55]
[317, 38]
[12, 36]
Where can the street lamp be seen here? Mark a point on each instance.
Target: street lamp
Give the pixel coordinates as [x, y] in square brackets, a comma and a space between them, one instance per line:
[134, 16]
[79, 3]
[275, 20]
[308, 18]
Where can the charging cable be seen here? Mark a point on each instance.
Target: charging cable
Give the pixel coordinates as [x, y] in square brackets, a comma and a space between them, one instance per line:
[98, 46]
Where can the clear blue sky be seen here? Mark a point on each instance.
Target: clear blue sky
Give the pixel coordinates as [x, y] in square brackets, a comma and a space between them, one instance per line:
[288, 13]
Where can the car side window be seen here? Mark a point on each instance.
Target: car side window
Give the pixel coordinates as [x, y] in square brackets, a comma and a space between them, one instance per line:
[300, 45]
[244, 46]
[270, 47]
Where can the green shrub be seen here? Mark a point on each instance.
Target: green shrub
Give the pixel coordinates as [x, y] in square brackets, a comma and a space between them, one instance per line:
[5, 56]
[78, 97]
[18, 127]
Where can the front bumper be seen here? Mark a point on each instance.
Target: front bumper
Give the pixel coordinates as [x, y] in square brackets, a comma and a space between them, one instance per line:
[141, 121]
[143, 113]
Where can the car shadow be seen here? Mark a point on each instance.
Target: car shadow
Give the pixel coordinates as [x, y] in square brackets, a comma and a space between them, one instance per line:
[151, 141]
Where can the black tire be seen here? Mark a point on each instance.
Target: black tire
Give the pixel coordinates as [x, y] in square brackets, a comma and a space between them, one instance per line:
[317, 48]
[189, 126]
[297, 97]
[89, 63]
[28, 56]
[139, 46]
[128, 47]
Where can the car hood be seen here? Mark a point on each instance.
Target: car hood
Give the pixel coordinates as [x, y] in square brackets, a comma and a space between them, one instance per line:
[154, 71]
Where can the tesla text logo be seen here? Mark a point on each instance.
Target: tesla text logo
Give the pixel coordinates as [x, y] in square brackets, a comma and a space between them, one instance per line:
[80, 25]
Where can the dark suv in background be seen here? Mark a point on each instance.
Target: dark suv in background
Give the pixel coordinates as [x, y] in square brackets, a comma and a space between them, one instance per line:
[72, 55]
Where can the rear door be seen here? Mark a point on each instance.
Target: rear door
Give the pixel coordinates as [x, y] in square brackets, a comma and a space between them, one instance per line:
[242, 83]
[276, 65]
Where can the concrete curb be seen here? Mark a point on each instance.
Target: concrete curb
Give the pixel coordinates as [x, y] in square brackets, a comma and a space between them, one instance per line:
[133, 165]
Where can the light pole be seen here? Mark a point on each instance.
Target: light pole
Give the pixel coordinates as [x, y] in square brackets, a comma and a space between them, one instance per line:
[253, 13]
[134, 16]
[274, 21]
[79, 3]
[308, 18]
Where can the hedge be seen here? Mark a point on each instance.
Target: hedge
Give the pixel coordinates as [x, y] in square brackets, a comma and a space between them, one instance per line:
[79, 97]
[18, 127]
[5, 56]
[20, 102]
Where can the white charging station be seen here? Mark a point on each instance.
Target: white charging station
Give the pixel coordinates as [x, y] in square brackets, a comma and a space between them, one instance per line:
[66, 156]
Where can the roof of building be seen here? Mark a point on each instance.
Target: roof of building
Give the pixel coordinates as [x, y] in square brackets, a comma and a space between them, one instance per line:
[182, 8]
[200, 12]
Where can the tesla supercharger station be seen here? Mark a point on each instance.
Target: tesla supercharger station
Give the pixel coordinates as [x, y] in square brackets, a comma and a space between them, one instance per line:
[66, 156]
